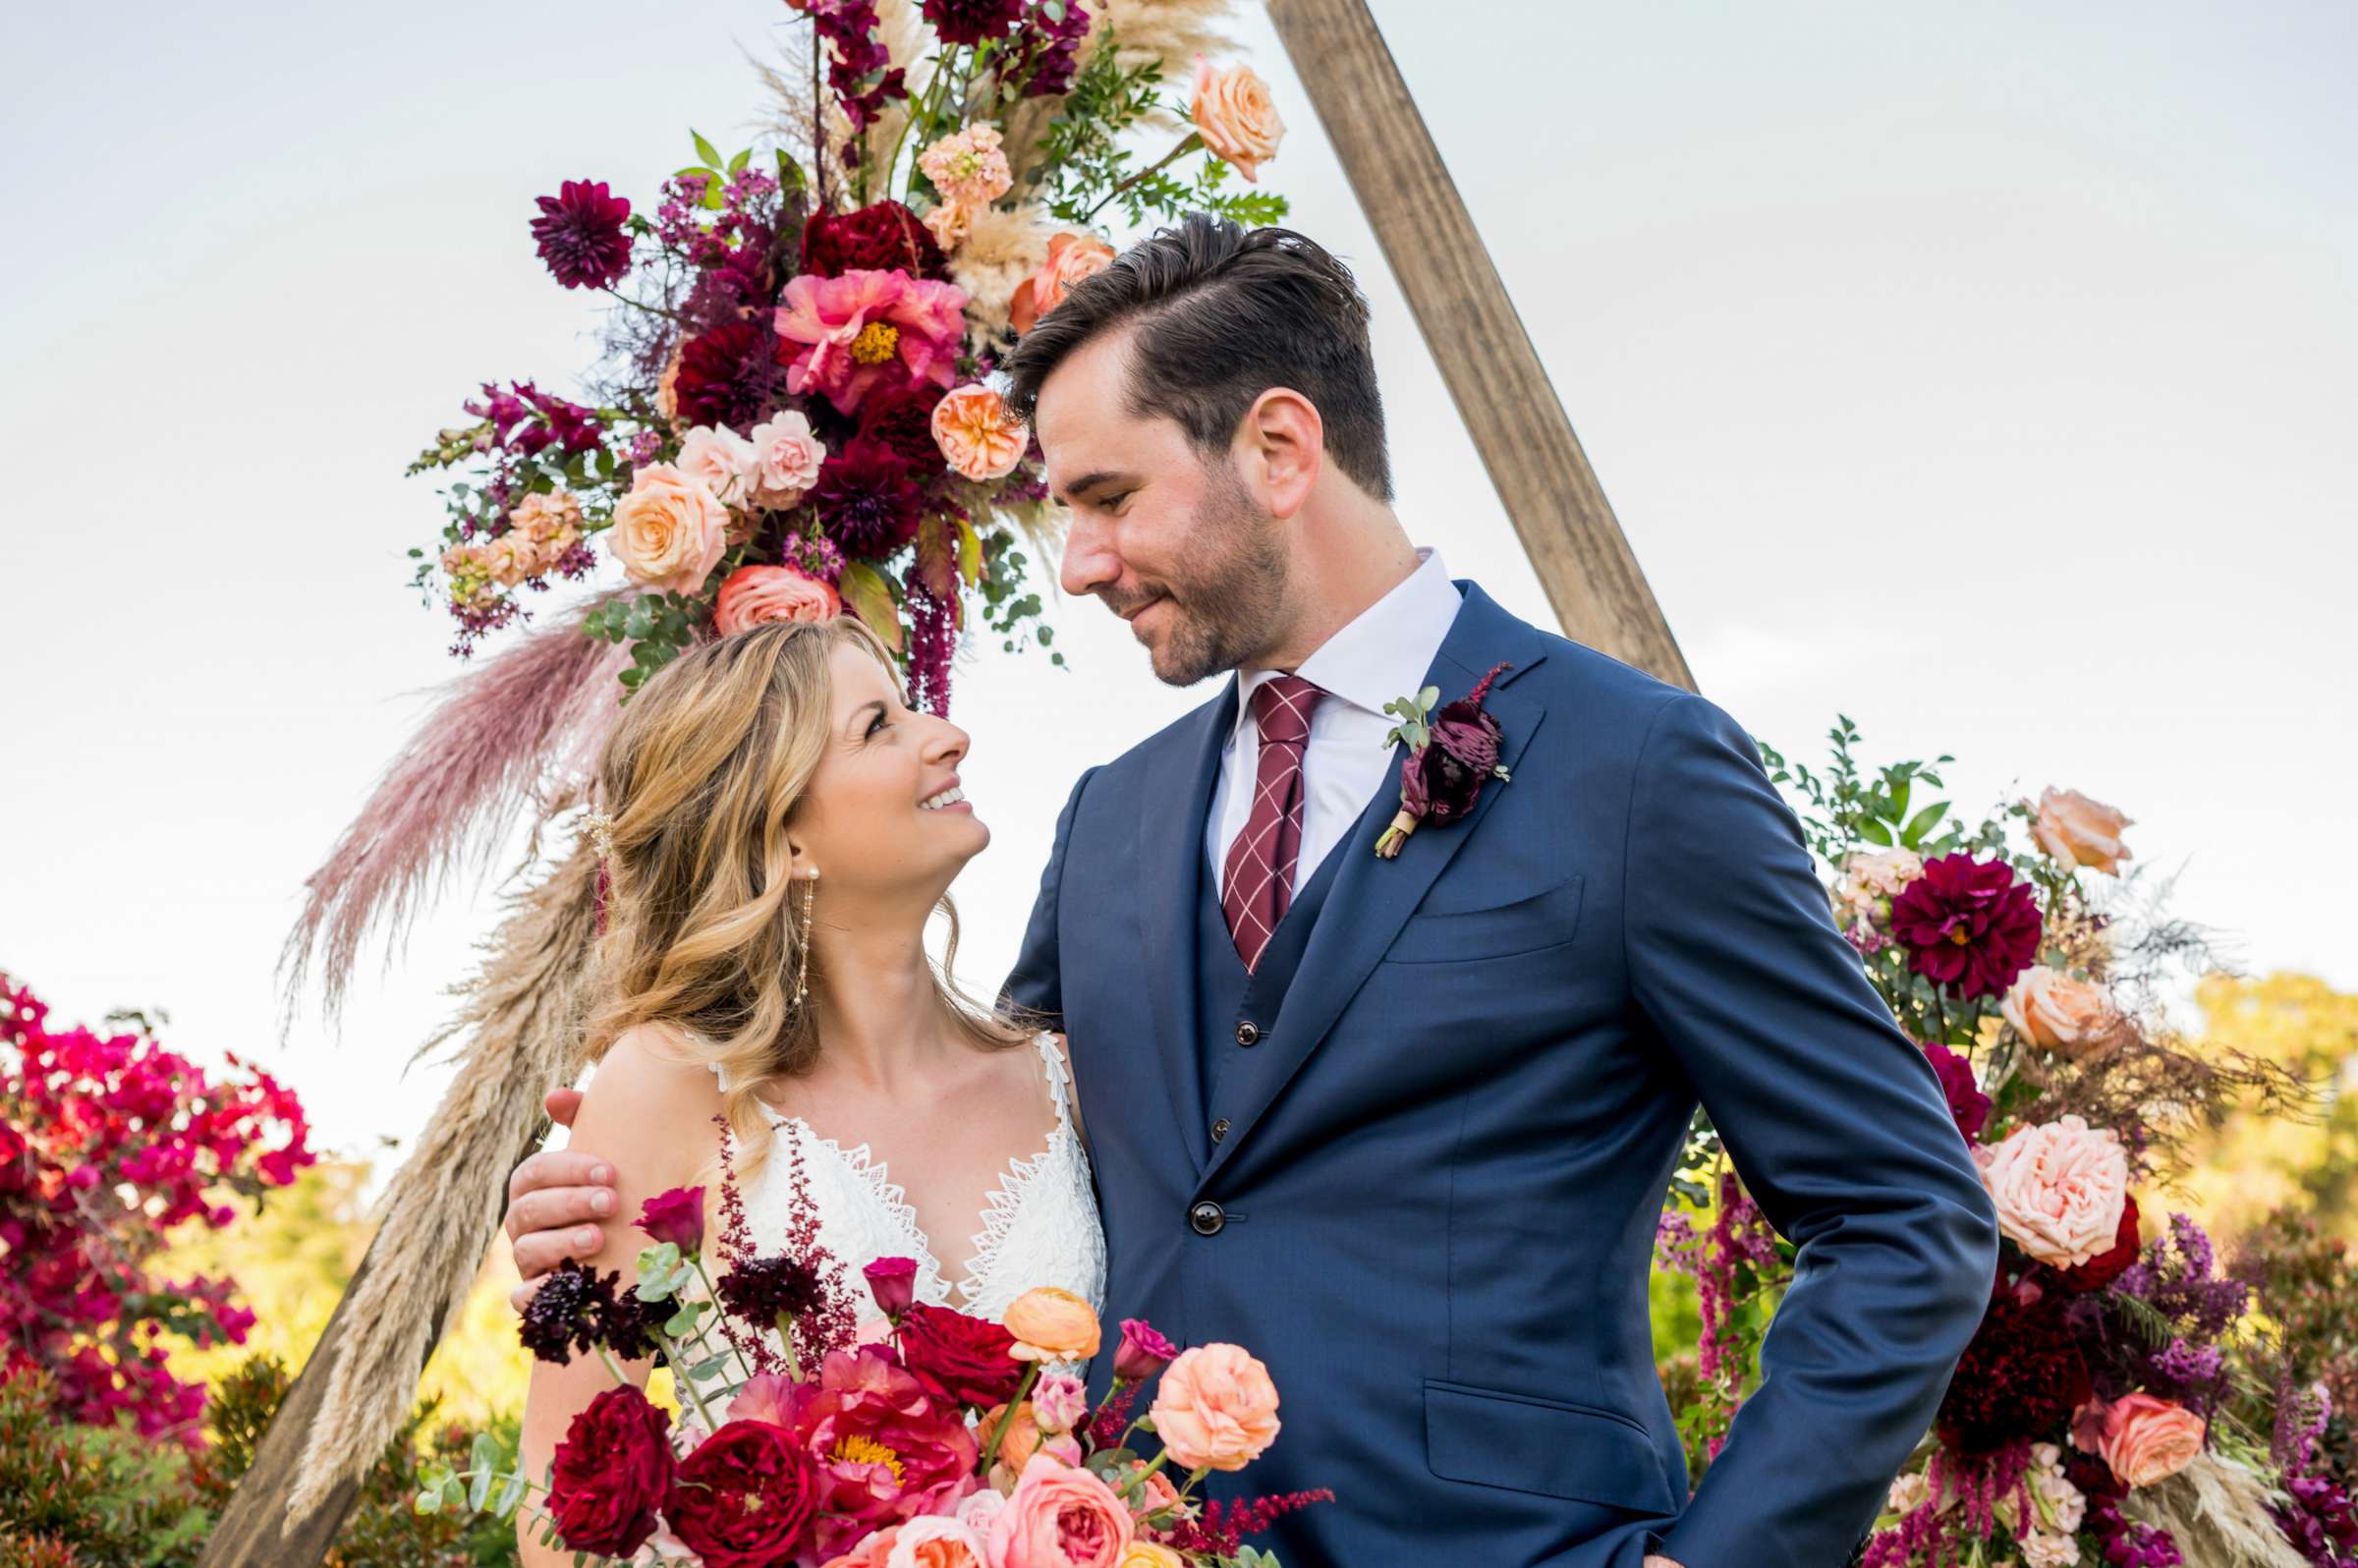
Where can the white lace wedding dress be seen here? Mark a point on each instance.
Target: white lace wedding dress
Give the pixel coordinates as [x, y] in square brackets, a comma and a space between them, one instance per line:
[1039, 1227]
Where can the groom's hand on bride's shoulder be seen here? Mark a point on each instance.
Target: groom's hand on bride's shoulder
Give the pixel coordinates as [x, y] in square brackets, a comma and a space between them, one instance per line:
[558, 1199]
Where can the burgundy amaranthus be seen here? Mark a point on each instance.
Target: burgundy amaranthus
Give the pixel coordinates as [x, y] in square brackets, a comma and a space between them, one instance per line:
[933, 644]
[582, 235]
[802, 1282]
[1969, 925]
[1222, 1529]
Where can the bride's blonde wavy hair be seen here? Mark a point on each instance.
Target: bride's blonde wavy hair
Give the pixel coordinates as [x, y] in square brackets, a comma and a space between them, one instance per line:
[700, 780]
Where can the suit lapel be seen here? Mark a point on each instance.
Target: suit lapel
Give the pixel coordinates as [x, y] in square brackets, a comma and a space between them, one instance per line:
[1170, 862]
[1373, 898]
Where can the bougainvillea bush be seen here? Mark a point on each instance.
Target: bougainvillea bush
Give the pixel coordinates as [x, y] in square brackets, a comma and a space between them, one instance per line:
[2129, 1398]
[108, 1143]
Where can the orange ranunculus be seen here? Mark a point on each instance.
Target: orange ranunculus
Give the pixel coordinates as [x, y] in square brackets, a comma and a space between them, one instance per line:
[1071, 258]
[1052, 1325]
[978, 437]
[1216, 1408]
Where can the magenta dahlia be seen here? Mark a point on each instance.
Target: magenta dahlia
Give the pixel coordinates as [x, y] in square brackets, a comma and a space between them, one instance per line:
[1966, 1101]
[866, 501]
[582, 235]
[1969, 925]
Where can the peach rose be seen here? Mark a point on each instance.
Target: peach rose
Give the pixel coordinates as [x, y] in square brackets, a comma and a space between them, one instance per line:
[1060, 1517]
[2057, 1013]
[1150, 1555]
[2143, 1439]
[1071, 258]
[719, 457]
[1052, 1325]
[785, 460]
[2060, 1187]
[1234, 116]
[978, 437]
[1022, 1438]
[754, 595]
[931, 1542]
[1216, 1408]
[2079, 831]
[670, 530]
[870, 1553]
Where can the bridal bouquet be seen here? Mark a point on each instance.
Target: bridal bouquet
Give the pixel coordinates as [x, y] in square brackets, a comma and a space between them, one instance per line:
[793, 415]
[2118, 1403]
[924, 1438]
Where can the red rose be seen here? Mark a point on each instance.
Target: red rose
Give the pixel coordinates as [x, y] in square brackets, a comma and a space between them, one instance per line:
[745, 1497]
[963, 1360]
[2104, 1267]
[877, 238]
[611, 1475]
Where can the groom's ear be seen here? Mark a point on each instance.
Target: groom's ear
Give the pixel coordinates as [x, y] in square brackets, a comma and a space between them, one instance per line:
[1283, 449]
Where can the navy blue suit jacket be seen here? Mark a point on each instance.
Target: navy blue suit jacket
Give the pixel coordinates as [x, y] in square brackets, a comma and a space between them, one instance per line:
[1441, 1181]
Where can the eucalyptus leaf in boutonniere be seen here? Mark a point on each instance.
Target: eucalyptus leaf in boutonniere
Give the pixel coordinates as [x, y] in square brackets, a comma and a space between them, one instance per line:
[1451, 755]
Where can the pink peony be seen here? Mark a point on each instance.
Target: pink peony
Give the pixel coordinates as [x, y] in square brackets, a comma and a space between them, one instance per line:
[1216, 1408]
[2143, 1439]
[1060, 1517]
[2059, 1189]
[754, 594]
[867, 327]
[886, 1452]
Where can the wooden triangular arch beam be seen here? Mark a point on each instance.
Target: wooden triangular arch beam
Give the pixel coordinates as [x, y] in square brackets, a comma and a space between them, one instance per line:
[1494, 373]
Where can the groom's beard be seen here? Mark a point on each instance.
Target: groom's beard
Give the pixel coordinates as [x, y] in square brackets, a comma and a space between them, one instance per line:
[1224, 602]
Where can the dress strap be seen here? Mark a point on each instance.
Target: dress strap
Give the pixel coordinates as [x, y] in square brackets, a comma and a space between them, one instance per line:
[1059, 1077]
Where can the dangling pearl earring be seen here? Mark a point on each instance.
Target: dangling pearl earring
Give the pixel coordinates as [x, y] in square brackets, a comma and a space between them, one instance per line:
[801, 979]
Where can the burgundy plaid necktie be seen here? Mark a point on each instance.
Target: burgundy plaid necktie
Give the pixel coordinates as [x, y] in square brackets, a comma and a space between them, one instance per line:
[1259, 879]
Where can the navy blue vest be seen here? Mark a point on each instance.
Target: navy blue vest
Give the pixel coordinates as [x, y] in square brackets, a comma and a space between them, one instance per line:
[1238, 1012]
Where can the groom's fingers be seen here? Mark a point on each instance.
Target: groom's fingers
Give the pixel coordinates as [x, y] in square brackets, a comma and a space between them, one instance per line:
[555, 1170]
[563, 1106]
[536, 1252]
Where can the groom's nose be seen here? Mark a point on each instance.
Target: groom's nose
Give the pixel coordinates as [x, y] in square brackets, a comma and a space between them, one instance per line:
[1089, 561]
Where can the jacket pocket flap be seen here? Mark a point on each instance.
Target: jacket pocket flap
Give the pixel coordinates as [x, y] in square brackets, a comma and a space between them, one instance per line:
[1535, 1445]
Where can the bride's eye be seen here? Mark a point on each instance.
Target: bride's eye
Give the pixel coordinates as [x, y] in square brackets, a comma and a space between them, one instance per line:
[877, 726]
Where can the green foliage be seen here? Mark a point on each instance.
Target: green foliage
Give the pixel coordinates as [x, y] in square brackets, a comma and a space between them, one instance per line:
[1847, 807]
[75, 1494]
[657, 626]
[1088, 168]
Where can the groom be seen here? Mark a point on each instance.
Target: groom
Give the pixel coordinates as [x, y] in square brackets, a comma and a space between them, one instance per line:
[1402, 1127]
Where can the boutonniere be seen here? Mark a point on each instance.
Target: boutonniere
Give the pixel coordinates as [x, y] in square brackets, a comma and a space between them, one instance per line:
[1451, 755]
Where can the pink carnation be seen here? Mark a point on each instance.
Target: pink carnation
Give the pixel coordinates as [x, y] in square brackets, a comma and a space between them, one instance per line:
[2059, 1188]
[869, 327]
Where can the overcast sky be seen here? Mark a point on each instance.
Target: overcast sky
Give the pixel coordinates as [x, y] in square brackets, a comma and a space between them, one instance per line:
[1984, 372]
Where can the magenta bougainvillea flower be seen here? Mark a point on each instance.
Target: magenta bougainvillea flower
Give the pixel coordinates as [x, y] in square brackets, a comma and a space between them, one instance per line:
[1969, 925]
[582, 235]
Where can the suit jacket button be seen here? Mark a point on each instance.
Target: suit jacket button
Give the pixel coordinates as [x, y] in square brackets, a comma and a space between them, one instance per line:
[1207, 1219]
[1219, 1129]
[1248, 1033]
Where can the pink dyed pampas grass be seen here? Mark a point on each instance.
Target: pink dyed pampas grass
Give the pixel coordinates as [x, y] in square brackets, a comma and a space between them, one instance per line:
[518, 731]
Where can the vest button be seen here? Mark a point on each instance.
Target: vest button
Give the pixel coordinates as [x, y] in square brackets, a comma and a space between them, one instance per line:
[1219, 1129]
[1207, 1219]
[1248, 1033]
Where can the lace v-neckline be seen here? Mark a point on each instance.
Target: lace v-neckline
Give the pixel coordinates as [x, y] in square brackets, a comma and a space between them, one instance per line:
[1000, 1207]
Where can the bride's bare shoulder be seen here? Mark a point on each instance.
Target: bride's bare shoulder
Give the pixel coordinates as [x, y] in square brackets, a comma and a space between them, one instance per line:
[652, 1071]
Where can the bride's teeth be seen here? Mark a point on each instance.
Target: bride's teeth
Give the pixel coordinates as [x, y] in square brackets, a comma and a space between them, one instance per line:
[951, 797]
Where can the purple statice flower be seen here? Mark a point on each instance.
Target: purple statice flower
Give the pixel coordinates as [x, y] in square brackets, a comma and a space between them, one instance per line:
[582, 235]
[2176, 1278]
[2190, 1365]
[644, 448]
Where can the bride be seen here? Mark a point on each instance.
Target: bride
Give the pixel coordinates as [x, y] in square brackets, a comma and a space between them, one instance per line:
[781, 827]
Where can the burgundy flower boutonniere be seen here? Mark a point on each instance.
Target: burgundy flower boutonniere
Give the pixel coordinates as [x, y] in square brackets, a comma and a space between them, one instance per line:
[1451, 755]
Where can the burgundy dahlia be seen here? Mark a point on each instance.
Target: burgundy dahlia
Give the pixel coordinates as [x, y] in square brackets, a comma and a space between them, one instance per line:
[746, 1497]
[582, 235]
[966, 1361]
[1969, 925]
[970, 22]
[876, 238]
[2022, 1374]
[732, 376]
[1966, 1101]
[611, 1475]
[903, 419]
[866, 500]
[1447, 777]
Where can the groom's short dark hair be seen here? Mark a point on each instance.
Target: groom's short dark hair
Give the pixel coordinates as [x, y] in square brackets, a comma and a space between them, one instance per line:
[1223, 314]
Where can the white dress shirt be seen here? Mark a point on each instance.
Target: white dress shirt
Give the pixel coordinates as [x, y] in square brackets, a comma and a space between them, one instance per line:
[1378, 658]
